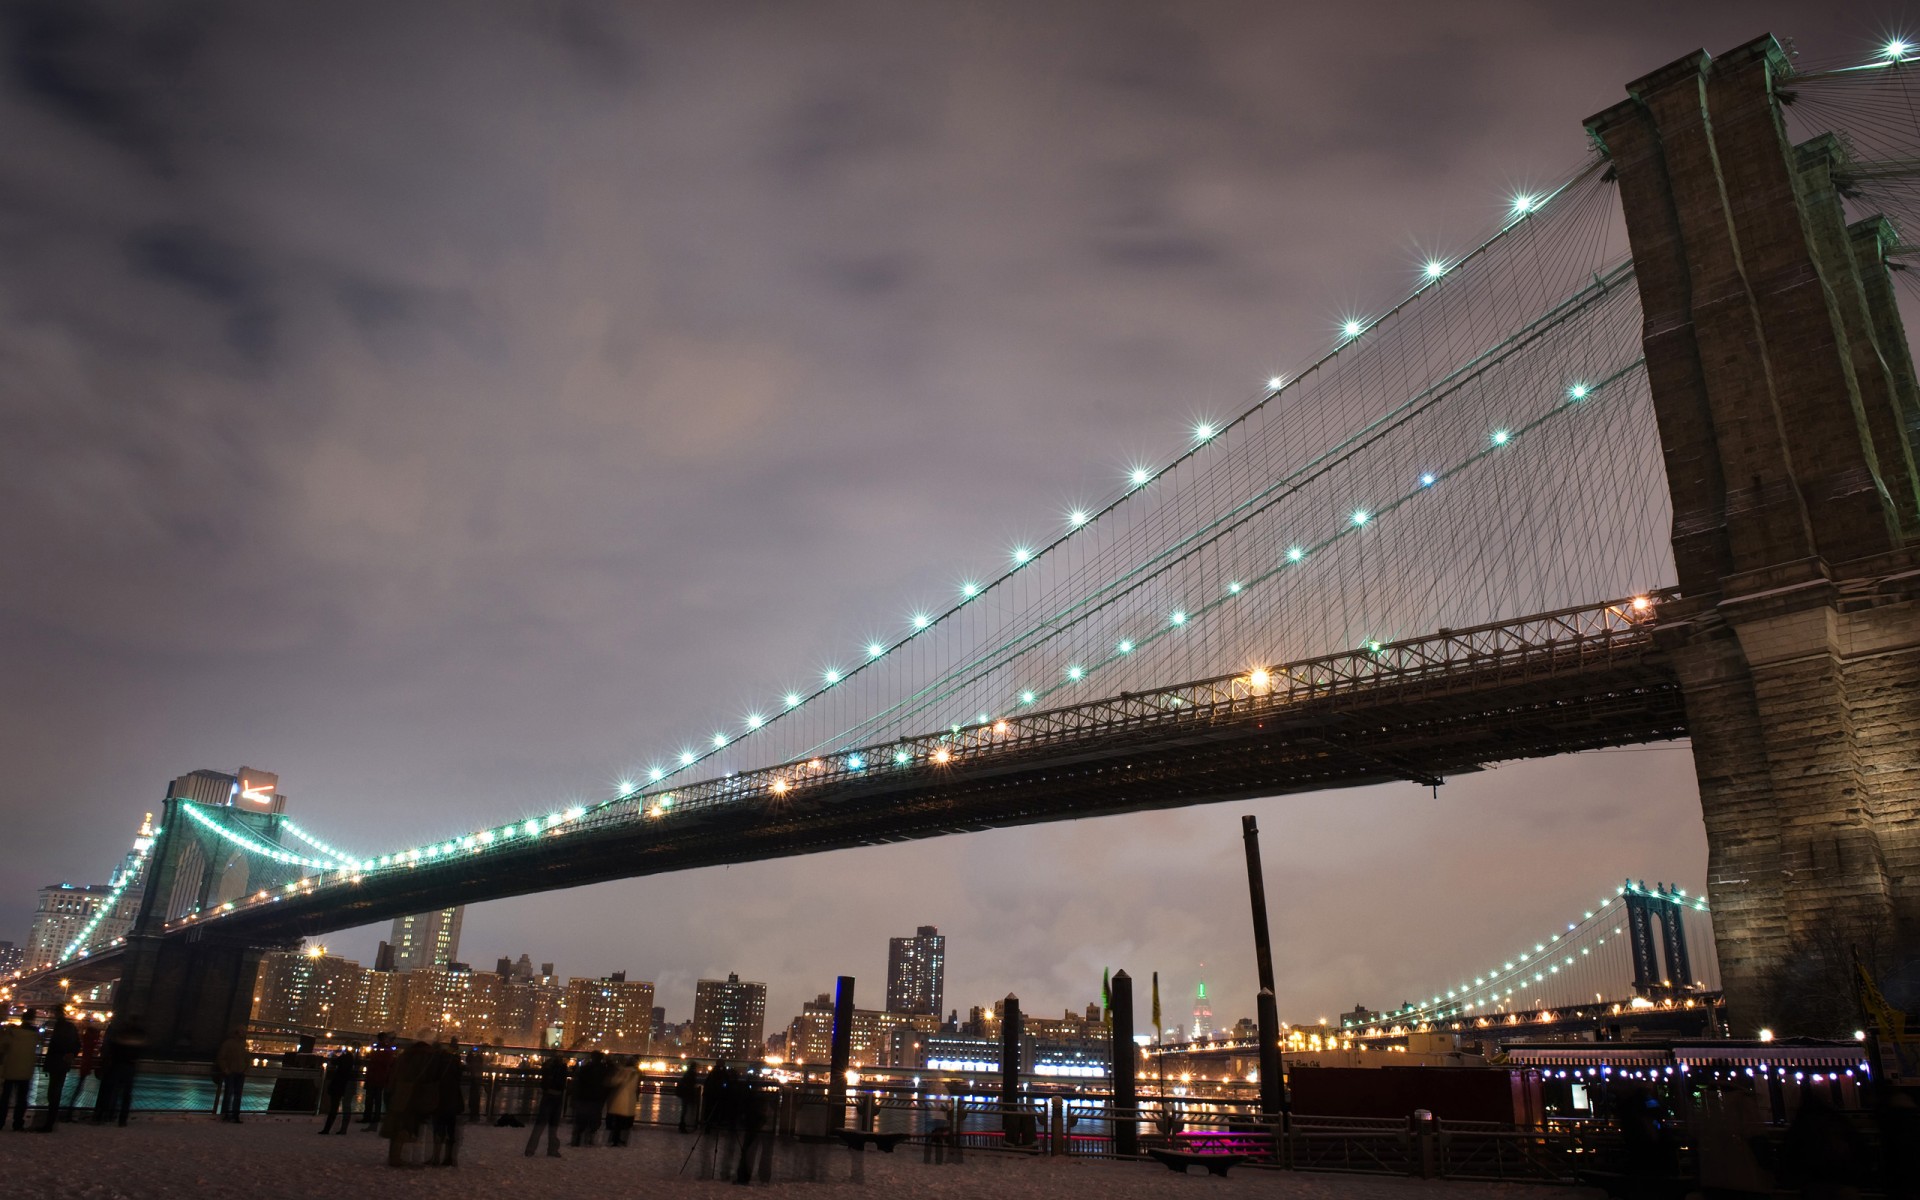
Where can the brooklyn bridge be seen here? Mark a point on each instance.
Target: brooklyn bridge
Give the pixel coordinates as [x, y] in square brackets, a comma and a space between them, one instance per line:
[1563, 494]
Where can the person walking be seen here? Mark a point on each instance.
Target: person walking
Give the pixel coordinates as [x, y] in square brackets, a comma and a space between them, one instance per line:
[686, 1089]
[230, 1063]
[553, 1096]
[623, 1097]
[410, 1100]
[126, 1044]
[449, 1093]
[590, 1097]
[343, 1071]
[379, 1075]
[19, 1047]
[63, 1046]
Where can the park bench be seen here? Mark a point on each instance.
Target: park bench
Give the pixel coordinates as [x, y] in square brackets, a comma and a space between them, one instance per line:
[1178, 1161]
[860, 1139]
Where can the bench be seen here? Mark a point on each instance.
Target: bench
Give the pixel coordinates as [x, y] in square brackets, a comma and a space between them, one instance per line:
[1178, 1161]
[860, 1139]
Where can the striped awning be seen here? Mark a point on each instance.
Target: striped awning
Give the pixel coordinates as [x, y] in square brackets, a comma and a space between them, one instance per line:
[1618, 1056]
[1834, 1057]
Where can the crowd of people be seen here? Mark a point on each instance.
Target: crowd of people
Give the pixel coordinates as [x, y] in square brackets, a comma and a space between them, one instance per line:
[71, 1051]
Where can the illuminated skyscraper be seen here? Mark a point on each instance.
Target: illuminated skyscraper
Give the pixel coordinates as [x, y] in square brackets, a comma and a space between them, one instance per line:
[426, 939]
[917, 972]
[729, 1018]
[1202, 1014]
[614, 1014]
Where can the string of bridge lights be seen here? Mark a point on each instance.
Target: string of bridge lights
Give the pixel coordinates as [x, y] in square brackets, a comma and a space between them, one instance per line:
[1518, 967]
[78, 948]
[1350, 330]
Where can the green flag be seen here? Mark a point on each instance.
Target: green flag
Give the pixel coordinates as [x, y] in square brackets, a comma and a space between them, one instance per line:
[1156, 1006]
[1106, 989]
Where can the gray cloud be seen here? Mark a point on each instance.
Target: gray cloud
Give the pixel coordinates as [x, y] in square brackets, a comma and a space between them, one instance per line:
[447, 405]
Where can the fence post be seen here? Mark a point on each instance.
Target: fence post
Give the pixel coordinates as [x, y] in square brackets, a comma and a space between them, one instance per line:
[1057, 1125]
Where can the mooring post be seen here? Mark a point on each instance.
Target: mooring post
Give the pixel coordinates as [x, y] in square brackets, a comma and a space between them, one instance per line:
[842, 1052]
[1273, 1088]
[1126, 1101]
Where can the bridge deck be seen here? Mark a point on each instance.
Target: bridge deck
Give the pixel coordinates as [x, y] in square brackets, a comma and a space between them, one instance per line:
[1417, 710]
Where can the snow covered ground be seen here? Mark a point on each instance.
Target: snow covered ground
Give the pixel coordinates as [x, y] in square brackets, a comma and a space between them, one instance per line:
[283, 1159]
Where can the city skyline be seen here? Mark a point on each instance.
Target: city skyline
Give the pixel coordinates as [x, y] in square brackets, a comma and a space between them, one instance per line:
[427, 613]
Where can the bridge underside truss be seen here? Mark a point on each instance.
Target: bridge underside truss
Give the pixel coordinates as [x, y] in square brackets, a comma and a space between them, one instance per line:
[1418, 711]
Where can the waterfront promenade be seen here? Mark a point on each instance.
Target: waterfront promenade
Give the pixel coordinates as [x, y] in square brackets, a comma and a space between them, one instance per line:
[196, 1157]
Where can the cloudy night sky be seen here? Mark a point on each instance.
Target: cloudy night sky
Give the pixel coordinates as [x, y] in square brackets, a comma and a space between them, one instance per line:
[450, 405]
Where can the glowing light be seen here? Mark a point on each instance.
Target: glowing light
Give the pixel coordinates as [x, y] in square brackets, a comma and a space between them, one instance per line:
[1075, 672]
[755, 720]
[1022, 555]
[656, 774]
[1426, 480]
[1434, 269]
[1259, 678]
[856, 763]
[686, 758]
[921, 620]
[1233, 589]
[901, 756]
[1077, 517]
[1361, 516]
[1352, 328]
[999, 726]
[1500, 437]
[1373, 647]
[875, 649]
[1140, 476]
[942, 756]
[719, 740]
[1203, 431]
[831, 675]
[575, 813]
[969, 589]
[792, 699]
[1641, 604]
[1125, 646]
[1897, 49]
[1295, 554]
[1766, 1035]
[1577, 392]
[1525, 203]
[1179, 617]
[1026, 697]
[1276, 383]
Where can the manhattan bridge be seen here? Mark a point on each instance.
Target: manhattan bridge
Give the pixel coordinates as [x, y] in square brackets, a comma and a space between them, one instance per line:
[1638, 464]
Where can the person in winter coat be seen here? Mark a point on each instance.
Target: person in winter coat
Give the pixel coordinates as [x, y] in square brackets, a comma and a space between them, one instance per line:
[410, 1100]
[686, 1089]
[623, 1096]
[590, 1096]
[63, 1046]
[379, 1076]
[19, 1046]
[449, 1101]
[230, 1063]
[553, 1097]
[88, 1063]
[336, 1089]
[126, 1045]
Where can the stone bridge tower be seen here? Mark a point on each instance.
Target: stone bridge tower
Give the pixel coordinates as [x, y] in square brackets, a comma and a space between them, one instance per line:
[1788, 412]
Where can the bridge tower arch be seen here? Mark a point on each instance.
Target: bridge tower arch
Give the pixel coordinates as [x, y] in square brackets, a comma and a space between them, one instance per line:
[190, 989]
[1785, 395]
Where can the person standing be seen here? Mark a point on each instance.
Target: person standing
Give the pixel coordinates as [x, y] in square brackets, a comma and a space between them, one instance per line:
[379, 1075]
[63, 1046]
[126, 1043]
[410, 1100]
[590, 1097]
[623, 1097]
[89, 1064]
[343, 1071]
[553, 1096]
[230, 1063]
[19, 1046]
[686, 1089]
[479, 1086]
[448, 1091]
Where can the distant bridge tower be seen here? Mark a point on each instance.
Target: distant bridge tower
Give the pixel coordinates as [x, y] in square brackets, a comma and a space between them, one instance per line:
[1668, 970]
[1788, 412]
[190, 990]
